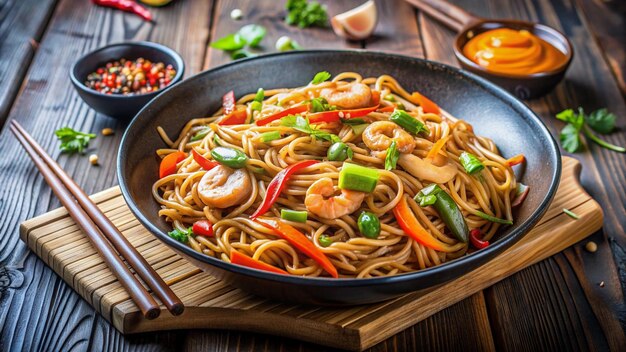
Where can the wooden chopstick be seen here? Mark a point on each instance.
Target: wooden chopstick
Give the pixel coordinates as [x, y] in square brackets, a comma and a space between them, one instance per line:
[443, 17]
[55, 177]
[110, 231]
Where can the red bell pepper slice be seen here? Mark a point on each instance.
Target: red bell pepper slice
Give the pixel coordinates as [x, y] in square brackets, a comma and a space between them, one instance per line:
[202, 161]
[427, 105]
[228, 102]
[518, 159]
[375, 100]
[278, 184]
[389, 108]
[290, 111]
[168, 164]
[337, 115]
[244, 260]
[476, 242]
[409, 224]
[301, 242]
[202, 228]
[237, 117]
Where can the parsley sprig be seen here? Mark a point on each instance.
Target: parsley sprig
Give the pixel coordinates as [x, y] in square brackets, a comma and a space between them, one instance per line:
[181, 235]
[600, 121]
[306, 14]
[235, 43]
[73, 141]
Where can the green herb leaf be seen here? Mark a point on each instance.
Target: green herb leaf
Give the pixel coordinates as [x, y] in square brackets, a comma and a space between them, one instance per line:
[230, 42]
[201, 134]
[252, 34]
[570, 139]
[353, 122]
[321, 77]
[241, 54]
[570, 116]
[320, 104]
[73, 141]
[391, 159]
[181, 235]
[601, 121]
[301, 124]
[305, 14]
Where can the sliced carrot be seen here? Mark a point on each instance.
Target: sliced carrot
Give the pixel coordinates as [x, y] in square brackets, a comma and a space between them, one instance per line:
[244, 260]
[389, 108]
[427, 105]
[409, 224]
[518, 159]
[168, 164]
[375, 100]
[300, 241]
[437, 147]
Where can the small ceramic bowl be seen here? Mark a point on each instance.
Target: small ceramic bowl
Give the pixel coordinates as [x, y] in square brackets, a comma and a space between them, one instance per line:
[118, 106]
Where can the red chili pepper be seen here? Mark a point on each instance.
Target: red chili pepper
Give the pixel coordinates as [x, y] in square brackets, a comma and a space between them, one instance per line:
[228, 102]
[476, 242]
[244, 260]
[126, 5]
[237, 117]
[278, 184]
[202, 228]
[202, 161]
[337, 115]
[301, 242]
[518, 159]
[427, 105]
[168, 164]
[290, 111]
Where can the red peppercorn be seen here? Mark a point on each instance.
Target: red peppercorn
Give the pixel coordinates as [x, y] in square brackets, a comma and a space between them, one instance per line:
[130, 77]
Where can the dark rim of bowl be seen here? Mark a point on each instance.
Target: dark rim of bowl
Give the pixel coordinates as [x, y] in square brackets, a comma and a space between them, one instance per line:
[500, 245]
[176, 58]
[464, 60]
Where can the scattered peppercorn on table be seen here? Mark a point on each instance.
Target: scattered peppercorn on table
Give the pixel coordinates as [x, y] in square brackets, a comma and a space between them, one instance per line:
[570, 301]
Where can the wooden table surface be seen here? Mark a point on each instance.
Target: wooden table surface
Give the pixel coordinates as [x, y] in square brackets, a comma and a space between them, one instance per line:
[572, 301]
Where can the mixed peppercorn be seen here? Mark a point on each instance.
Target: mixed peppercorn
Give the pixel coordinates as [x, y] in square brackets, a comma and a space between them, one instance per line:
[130, 77]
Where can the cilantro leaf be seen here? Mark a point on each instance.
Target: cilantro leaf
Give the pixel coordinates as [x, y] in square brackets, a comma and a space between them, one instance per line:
[320, 104]
[181, 235]
[320, 77]
[301, 124]
[306, 14]
[392, 156]
[570, 138]
[73, 141]
[601, 121]
[573, 118]
[252, 34]
[230, 42]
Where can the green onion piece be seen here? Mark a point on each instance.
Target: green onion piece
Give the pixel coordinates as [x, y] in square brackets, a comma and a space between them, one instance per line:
[447, 209]
[260, 95]
[293, 215]
[427, 200]
[358, 178]
[358, 129]
[216, 140]
[201, 134]
[571, 214]
[270, 136]
[400, 106]
[256, 106]
[391, 159]
[181, 235]
[493, 218]
[471, 163]
[325, 241]
[390, 97]
[408, 122]
[230, 157]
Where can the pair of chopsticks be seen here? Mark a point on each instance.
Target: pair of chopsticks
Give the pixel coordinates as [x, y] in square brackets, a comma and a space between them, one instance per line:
[104, 236]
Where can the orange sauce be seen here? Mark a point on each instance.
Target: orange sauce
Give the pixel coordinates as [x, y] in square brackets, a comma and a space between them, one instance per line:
[505, 50]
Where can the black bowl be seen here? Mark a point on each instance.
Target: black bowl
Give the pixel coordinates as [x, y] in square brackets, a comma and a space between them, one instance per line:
[492, 111]
[122, 107]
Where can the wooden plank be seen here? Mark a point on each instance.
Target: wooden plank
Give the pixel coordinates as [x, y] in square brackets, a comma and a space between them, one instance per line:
[213, 304]
[22, 23]
[589, 83]
[46, 314]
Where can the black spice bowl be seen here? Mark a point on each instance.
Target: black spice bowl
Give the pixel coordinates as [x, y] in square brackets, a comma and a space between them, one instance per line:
[118, 106]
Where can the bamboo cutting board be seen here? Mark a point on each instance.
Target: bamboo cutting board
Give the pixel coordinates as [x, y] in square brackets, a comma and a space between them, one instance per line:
[211, 304]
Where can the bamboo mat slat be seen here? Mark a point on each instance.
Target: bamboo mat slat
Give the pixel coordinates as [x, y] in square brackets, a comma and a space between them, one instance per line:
[212, 304]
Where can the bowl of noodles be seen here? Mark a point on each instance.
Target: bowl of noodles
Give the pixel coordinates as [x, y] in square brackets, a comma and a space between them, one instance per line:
[337, 177]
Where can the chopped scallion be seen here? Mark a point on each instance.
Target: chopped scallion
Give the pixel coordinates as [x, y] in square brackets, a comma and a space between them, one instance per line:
[358, 178]
[293, 215]
[391, 159]
[270, 136]
[256, 106]
[408, 122]
[325, 241]
[493, 218]
[471, 163]
[201, 134]
[571, 214]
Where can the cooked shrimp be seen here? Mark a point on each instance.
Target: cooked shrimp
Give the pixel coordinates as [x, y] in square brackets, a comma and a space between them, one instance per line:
[379, 135]
[223, 187]
[350, 96]
[321, 200]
